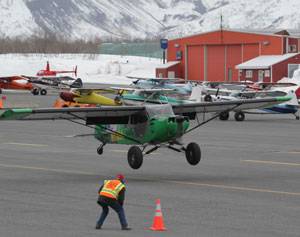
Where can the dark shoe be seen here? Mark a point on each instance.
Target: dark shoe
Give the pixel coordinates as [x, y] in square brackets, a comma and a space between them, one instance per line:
[98, 227]
[126, 228]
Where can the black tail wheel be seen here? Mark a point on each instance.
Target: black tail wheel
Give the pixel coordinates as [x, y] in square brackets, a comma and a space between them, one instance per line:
[193, 153]
[135, 157]
[239, 116]
[224, 116]
[100, 150]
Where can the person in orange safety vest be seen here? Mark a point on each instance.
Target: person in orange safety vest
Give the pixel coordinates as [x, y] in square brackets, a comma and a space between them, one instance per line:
[112, 194]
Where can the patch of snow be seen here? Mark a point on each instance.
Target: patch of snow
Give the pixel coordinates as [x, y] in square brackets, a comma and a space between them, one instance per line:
[110, 69]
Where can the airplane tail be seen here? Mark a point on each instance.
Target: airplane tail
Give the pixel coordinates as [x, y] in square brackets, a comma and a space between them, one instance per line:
[47, 66]
[294, 100]
[188, 87]
[196, 94]
[77, 83]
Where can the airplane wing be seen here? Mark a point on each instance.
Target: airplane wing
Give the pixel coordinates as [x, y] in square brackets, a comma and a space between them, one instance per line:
[150, 90]
[102, 115]
[234, 105]
[87, 91]
[158, 79]
[121, 114]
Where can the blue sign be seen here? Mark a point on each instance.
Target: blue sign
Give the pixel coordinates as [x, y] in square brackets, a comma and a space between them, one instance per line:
[164, 43]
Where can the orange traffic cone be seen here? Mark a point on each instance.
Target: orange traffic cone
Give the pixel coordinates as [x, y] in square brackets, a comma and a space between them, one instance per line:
[158, 221]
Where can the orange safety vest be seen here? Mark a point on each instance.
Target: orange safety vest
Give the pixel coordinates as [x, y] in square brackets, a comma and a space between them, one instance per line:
[111, 188]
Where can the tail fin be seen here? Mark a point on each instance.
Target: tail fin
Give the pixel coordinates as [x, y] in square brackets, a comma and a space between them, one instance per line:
[77, 83]
[48, 66]
[294, 100]
[196, 94]
[188, 87]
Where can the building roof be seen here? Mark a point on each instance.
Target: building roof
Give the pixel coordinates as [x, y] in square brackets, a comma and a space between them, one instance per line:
[270, 32]
[167, 65]
[264, 61]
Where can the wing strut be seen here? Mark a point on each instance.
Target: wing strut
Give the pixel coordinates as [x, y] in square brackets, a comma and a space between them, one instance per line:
[105, 128]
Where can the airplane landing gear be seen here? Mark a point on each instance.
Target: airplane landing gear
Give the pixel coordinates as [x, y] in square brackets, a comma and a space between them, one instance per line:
[35, 91]
[193, 153]
[135, 154]
[239, 116]
[43, 92]
[100, 149]
[224, 116]
[135, 157]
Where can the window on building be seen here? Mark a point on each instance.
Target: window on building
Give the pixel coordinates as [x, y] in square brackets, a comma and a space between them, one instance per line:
[249, 74]
[267, 73]
[292, 48]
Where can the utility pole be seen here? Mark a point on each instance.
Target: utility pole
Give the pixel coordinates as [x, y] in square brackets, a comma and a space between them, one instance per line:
[221, 27]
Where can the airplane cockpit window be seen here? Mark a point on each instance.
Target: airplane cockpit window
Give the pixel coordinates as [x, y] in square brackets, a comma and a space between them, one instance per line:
[161, 110]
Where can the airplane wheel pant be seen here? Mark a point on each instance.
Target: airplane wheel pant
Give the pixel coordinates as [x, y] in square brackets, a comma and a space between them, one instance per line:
[193, 153]
[135, 157]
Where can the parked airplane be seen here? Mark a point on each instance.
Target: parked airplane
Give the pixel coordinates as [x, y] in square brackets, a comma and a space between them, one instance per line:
[141, 126]
[135, 96]
[177, 84]
[288, 107]
[56, 82]
[49, 72]
[15, 83]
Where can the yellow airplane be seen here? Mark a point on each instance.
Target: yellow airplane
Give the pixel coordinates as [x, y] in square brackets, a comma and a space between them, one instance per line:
[91, 96]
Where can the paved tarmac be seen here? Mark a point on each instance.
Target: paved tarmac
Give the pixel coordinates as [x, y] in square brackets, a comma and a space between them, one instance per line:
[247, 183]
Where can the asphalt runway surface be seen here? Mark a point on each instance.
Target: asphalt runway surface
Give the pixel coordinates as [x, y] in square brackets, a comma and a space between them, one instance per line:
[247, 183]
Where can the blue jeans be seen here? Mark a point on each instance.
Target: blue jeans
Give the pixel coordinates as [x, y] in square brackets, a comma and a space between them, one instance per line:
[104, 203]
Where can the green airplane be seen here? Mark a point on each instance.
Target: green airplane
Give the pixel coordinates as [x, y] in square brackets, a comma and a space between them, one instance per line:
[145, 127]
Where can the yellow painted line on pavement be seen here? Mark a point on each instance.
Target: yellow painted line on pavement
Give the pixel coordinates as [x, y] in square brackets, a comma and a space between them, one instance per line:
[45, 169]
[217, 186]
[236, 188]
[24, 144]
[271, 162]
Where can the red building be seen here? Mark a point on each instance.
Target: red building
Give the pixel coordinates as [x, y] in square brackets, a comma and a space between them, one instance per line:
[226, 55]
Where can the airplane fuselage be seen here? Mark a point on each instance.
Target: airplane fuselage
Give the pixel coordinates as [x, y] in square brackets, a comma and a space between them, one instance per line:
[153, 131]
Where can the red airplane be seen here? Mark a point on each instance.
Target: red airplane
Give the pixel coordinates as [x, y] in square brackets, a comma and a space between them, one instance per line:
[48, 72]
[15, 83]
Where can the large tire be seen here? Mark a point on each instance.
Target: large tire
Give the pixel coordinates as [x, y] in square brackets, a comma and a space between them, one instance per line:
[193, 153]
[239, 116]
[35, 91]
[0, 91]
[43, 92]
[224, 116]
[207, 98]
[135, 157]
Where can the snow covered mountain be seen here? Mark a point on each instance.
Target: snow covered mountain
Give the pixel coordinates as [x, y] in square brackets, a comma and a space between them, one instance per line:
[141, 18]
